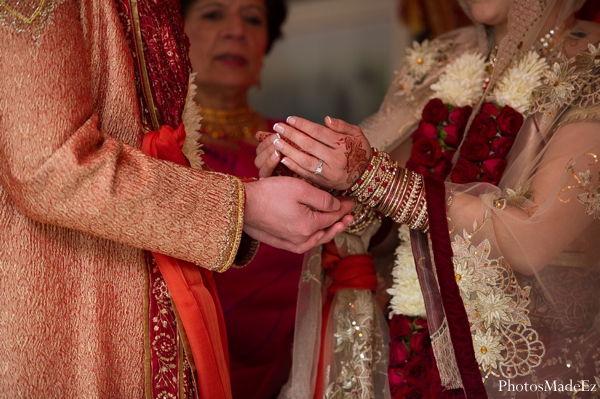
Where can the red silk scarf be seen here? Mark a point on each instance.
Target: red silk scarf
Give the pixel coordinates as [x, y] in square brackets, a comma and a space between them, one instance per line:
[193, 290]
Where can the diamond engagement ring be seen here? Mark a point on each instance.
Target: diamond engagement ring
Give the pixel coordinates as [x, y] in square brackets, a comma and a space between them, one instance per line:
[319, 168]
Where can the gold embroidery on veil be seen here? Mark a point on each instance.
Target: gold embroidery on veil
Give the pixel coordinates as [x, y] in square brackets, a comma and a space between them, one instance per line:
[504, 341]
[356, 350]
[591, 195]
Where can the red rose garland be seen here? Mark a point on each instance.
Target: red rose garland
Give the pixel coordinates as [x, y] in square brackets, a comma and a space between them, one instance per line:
[482, 155]
[439, 133]
[412, 370]
[490, 138]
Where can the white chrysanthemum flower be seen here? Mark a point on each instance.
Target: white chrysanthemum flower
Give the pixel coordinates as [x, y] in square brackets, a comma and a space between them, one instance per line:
[462, 82]
[407, 298]
[488, 349]
[421, 59]
[517, 84]
[494, 308]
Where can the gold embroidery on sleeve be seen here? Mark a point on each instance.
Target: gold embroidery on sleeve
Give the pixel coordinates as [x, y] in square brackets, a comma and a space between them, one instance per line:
[572, 82]
[516, 199]
[591, 195]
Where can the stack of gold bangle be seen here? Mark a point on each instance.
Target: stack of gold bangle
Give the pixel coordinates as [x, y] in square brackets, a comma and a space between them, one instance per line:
[363, 217]
[396, 192]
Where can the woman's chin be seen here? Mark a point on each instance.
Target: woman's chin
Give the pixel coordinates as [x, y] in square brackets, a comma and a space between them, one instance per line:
[489, 13]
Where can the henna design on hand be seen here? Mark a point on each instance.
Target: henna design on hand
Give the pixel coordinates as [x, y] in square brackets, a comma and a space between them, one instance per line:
[262, 136]
[356, 159]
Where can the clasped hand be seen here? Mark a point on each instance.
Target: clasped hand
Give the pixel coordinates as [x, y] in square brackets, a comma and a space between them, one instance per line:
[291, 214]
[332, 156]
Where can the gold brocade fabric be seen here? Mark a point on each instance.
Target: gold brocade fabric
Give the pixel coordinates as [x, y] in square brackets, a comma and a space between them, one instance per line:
[27, 16]
[78, 200]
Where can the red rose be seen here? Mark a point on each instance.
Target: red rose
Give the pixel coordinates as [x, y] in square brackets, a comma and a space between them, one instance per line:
[426, 151]
[419, 321]
[413, 392]
[396, 381]
[509, 121]
[452, 394]
[412, 165]
[475, 150]
[400, 327]
[483, 127]
[399, 353]
[424, 130]
[493, 169]
[417, 371]
[501, 145]
[435, 112]
[460, 116]
[420, 343]
[464, 172]
[453, 135]
[489, 109]
[442, 168]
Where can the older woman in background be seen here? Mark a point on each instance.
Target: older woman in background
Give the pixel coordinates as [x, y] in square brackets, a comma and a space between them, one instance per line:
[228, 41]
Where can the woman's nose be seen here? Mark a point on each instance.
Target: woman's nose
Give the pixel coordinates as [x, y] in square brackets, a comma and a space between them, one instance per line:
[236, 28]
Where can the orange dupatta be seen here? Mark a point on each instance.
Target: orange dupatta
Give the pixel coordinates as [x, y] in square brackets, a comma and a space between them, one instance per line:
[193, 290]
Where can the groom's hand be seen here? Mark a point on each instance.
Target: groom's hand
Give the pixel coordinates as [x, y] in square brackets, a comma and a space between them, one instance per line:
[291, 214]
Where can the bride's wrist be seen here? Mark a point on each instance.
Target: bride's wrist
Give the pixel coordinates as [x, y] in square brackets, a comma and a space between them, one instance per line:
[393, 191]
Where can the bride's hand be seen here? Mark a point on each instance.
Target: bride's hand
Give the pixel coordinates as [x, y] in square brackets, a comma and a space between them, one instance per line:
[332, 156]
[268, 158]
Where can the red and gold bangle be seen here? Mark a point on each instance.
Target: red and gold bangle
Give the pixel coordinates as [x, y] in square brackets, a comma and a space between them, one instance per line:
[363, 218]
[408, 207]
[384, 178]
[365, 178]
[371, 182]
[393, 191]
[389, 201]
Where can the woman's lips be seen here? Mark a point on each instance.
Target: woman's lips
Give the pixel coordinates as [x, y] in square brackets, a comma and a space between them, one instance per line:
[232, 60]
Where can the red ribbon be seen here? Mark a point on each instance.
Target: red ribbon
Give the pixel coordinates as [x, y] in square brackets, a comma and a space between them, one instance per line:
[193, 290]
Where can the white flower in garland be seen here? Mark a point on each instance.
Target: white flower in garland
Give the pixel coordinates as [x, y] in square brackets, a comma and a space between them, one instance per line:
[462, 82]
[515, 87]
[407, 298]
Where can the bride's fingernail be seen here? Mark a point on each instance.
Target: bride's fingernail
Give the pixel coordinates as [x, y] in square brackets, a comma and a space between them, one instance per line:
[285, 162]
[278, 128]
[291, 120]
[329, 120]
[275, 156]
[278, 144]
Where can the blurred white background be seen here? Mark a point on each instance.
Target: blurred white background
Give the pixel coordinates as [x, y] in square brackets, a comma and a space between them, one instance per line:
[337, 58]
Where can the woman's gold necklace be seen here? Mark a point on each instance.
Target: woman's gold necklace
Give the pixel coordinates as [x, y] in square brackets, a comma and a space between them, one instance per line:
[238, 124]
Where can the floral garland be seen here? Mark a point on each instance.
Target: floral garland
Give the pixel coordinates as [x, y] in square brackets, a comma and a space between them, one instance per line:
[489, 140]
[406, 300]
[492, 133]
[481, 158]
